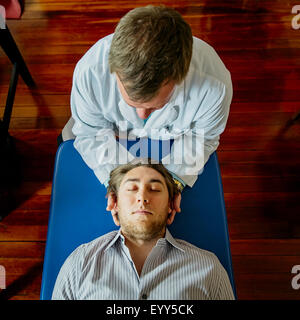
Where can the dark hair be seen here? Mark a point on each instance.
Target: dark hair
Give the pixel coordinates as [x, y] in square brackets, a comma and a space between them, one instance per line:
[151, 46]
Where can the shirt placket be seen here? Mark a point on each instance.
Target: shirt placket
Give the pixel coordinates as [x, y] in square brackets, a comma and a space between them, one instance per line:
[146, 279]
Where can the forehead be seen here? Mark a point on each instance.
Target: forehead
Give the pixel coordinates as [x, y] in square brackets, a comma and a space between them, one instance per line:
[144, 175]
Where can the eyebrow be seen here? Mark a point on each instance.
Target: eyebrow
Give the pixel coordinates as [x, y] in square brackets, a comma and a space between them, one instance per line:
[138, 180]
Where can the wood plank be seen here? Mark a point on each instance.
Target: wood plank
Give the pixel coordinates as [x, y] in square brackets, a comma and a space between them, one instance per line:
[22, 250]
[29, 201]
[23, 278]
[265, 169]
[23, 233]
[35, 188]
[265, 286]
[261, 184]
[39, 100]
[266, 247]
[230, 157]
[261, 199]
[34, 111]
[265, 264]
[38, 122]
[26, 217]
[263, 229]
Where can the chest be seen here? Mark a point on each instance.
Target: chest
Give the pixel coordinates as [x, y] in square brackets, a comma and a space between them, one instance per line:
[117, 278]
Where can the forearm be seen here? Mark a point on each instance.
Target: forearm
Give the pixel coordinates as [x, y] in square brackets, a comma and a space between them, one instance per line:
[186, 169]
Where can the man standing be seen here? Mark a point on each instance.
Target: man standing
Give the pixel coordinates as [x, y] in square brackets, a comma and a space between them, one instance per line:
[151, 78]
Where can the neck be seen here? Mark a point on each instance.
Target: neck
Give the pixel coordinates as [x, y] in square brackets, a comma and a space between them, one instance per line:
[142, 243]
[140, 248]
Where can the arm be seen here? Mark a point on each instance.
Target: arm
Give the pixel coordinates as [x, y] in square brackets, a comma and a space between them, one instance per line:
[65, 287]
[190, 152]
[95, 137]
[224, 290]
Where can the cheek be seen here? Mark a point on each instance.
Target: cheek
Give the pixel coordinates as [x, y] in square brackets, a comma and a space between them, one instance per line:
[161, 202]
[126, 201]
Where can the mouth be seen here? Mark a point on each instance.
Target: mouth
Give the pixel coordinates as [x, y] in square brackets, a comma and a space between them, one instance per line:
[142, 212]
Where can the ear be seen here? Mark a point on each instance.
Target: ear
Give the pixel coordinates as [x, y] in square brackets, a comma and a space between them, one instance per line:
[171, 214]
[116, 219]
[114, 212]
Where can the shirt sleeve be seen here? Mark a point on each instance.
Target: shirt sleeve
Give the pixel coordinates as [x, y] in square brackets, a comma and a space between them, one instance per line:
[190, 152]
[222, 286]
[65, 287]
[95, 137]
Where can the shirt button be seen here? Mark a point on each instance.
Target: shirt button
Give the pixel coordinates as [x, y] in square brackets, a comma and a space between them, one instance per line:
[144, 296]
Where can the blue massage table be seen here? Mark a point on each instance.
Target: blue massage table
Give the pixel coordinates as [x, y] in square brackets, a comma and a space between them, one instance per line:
[78, 215]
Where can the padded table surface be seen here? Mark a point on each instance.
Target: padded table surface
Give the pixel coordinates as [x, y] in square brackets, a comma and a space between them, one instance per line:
[78, 215]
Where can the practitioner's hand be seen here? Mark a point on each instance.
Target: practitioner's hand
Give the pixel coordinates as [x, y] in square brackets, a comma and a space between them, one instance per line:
[112, 203]
[176, 203]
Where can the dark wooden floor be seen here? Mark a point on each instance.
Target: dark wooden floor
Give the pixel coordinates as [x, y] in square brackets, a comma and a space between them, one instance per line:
[259, 152]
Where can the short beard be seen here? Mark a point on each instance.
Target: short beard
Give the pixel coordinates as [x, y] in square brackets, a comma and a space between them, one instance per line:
[135, 232]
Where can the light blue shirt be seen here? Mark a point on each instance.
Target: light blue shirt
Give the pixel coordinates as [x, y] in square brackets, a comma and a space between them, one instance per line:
[175, 269]
[199, 104]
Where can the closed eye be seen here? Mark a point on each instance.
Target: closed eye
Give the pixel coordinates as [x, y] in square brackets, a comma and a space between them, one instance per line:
[131, 188]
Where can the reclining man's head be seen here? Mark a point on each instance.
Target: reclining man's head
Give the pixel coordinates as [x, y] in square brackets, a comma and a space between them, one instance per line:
[144, 193]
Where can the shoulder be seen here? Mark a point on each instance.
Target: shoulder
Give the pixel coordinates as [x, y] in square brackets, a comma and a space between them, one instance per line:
[207, 73]
[206, 59]
[86, 251]
[99, 244]
[198, 255]
[200, 47]
[96, 58]
[92, 75]
[216, 276]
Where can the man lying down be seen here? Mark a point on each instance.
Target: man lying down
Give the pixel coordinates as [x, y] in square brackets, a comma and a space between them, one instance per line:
[142, 260]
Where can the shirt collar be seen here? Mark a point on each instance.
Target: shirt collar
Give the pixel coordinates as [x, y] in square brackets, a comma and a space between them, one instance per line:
[168, 238]
[114, 239]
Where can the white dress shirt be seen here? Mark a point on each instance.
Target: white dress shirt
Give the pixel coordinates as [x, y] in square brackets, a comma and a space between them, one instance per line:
[174, 270]
[198, 108]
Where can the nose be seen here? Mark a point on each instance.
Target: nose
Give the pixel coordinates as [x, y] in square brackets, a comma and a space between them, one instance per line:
[142, 197]
[143, 113]
[143, 201]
